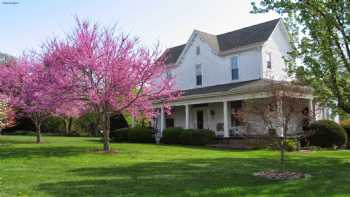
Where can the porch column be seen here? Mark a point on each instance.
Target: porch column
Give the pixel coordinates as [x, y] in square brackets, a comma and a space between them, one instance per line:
[132, 121]
[187, 116]
[312, 109]
[162, 121]
[226, 127]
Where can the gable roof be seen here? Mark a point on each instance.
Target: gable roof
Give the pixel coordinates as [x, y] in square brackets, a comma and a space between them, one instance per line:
[172, 54]
[230, 40]
[211, 40]
[246, 36]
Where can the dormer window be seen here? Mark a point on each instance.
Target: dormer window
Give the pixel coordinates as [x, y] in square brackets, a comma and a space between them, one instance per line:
[234, 68]
[199, 76]
[268, 60]
[168, 74]
[198, 50]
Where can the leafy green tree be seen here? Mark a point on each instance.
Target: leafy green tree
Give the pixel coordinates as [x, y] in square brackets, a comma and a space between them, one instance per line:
[4, 58]
[320, 38]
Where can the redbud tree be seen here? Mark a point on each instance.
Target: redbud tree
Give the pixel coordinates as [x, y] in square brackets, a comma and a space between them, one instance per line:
[32, 89]
[110, 72]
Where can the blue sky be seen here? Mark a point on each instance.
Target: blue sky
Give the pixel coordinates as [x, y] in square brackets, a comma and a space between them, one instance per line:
[26, 25]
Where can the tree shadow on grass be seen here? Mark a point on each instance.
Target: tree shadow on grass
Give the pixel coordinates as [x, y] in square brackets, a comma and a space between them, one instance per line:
[40, 151]
[6, 141]
[205, 177]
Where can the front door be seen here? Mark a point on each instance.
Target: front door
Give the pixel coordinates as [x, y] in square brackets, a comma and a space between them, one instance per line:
[200, 119]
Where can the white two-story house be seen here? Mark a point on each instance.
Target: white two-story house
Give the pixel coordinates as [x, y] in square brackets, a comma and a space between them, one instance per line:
[217, 73]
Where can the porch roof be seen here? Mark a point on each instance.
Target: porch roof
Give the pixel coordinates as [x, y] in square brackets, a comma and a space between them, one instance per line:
[219, 88]
[235, 91]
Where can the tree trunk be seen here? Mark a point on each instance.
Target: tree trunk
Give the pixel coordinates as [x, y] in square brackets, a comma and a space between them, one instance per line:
[38, 133]
[106, 132]
[37, 122]
[0, 131]
[68, 125]
[106, 147]
[96, 126]
[282, 152]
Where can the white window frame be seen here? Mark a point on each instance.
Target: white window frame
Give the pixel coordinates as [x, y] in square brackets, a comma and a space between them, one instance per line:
[199, 74]
[198, 50]
[268, 60]
[168, 74]
[232, 67]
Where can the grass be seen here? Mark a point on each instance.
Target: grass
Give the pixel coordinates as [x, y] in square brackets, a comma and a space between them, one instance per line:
[73, 167]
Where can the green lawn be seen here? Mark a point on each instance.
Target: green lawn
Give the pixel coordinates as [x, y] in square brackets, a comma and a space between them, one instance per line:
[72, 167]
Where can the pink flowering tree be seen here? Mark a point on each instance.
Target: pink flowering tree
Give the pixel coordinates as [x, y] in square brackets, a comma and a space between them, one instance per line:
[7, 116]
[28, 87]
[111, 73]
[68, 111]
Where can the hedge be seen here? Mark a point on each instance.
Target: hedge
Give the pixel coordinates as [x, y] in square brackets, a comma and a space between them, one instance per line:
[327, 133]
[346, 125]
[135, 135]
[172, 136]
[139, 134]
[119, 135]
[187, 136]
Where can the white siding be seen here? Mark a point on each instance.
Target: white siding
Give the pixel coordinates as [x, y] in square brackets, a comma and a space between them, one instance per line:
[278, 46]
[216, 69]
[179, 116]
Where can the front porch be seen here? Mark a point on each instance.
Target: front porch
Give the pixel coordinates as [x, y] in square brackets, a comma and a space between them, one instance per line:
[220, 108]
[224, 118]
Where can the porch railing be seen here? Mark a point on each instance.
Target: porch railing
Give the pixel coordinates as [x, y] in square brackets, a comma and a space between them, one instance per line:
[238, 130]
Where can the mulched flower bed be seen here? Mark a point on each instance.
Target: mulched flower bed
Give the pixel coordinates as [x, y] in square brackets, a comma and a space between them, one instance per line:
[281, 175]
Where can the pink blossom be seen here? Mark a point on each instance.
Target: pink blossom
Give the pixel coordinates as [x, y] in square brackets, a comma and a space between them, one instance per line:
[110, 73]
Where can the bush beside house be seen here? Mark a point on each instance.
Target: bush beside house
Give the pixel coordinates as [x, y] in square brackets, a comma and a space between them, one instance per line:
[134, 135]
[187, 136]
[139, 134]
[170, 136]
[346, 125]
[327, 133]
[290, 144]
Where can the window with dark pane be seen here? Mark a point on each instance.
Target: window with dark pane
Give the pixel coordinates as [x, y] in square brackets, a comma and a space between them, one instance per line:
[268, 60]
[169, 123]
[234, 68]
[168, 74]
[199, 76]
[198, 50]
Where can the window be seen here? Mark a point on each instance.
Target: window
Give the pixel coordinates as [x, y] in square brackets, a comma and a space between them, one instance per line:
[168, 74]
[268, 60]
[198, 74]
[234, 68]
[169, 123]
[236, 113]
[198, 50]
